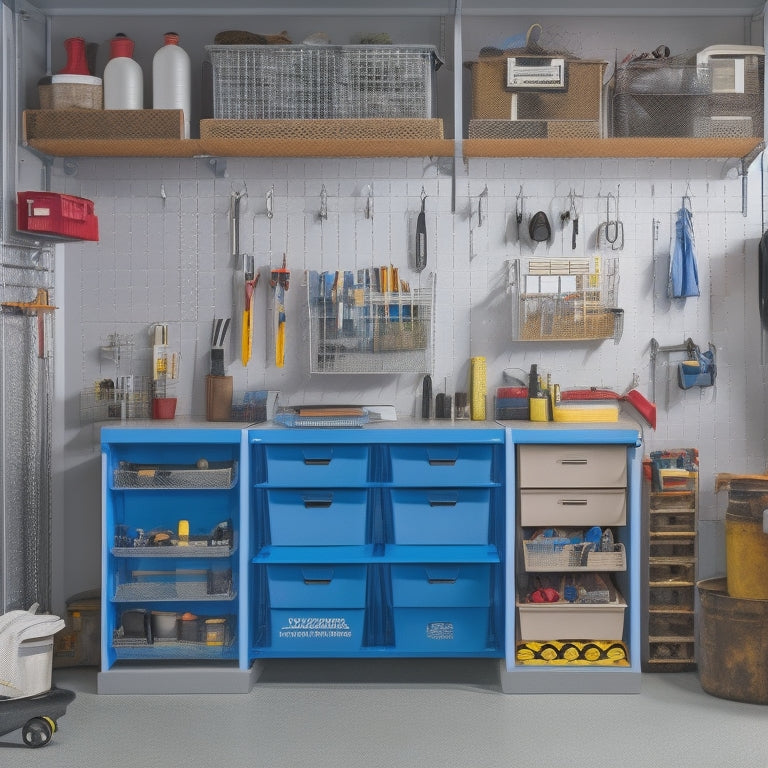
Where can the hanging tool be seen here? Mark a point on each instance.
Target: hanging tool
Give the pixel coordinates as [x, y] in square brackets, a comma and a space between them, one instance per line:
[250, 281]
[39, 307]
[421, 235]
[519, 211]
[574, 219]
[280, 280]
[611, 231]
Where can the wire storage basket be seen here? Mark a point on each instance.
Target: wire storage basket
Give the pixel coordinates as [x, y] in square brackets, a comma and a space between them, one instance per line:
[565, 299]
[676, 97]
[253, 82]
[360, 325]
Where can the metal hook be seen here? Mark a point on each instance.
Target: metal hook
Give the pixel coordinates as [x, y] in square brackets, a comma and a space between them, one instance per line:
[369, 202]
[270, 202]
[483, 194]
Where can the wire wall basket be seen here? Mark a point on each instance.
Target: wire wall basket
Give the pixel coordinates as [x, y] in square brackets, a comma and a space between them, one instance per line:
[565, 299]
[125, 397]
[356, 327]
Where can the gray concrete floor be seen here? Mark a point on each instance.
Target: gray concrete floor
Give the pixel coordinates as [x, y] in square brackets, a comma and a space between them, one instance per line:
[393, 713]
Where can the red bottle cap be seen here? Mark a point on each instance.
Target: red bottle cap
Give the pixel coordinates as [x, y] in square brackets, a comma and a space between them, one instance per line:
[171, 38]
[121, 46]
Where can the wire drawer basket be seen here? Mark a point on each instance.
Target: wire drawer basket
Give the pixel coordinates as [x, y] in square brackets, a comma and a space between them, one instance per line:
[253, 82]
[555, 555]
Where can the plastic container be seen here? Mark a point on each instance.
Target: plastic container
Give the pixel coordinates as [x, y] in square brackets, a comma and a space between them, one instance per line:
[317, 465]
[123, 78]
[172, 78]
[36, 659]
[440, 516]
[163, 407]
[317, 608]
[746, 545]
[446, 465]
[441, 607]
[317, 517]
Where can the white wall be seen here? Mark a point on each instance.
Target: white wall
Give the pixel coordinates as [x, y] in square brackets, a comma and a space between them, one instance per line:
[167, 259]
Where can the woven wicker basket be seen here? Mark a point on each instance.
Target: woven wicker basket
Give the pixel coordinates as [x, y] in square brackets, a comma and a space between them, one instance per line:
[581, 101]
[104, 124]
[70, 96]
[374, 128]
[534, 129]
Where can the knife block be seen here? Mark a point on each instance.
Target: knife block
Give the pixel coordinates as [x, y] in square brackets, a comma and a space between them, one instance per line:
[218, 398]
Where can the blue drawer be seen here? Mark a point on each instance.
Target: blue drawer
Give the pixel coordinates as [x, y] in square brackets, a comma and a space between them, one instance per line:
[442, 585]
[317, 465]
[316, 586]
[441, 630]
[317, 608]
[441, 516]
[317, 630]
[441, 464]
[317, 517]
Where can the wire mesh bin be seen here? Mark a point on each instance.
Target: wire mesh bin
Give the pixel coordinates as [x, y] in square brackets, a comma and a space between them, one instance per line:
[565, 299]
[252, 82]
[676, 97]
[126, 397]
[356, 327]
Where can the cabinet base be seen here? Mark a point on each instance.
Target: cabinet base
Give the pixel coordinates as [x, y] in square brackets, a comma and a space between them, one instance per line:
[177, 679]
[574, 680]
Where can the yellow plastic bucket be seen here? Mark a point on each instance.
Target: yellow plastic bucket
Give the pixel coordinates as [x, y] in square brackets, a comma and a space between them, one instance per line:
[746, 545]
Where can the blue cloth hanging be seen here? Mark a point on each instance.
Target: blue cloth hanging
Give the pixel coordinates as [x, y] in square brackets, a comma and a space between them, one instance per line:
[683, 270]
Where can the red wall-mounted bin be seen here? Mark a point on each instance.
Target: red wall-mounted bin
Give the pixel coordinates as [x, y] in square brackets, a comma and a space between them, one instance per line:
[53, 213]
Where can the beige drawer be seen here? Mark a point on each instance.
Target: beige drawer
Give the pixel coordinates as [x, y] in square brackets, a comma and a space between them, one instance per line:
[572, 466]
[544, 507]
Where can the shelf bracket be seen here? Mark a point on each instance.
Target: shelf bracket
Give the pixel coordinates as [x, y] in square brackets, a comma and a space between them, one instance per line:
[218, 166]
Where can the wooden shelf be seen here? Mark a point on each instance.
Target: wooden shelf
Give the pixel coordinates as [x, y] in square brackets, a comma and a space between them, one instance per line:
[243, 147]
[572, 148]
[634, 147]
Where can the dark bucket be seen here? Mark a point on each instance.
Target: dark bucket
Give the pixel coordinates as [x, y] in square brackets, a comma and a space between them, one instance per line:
[733, 652]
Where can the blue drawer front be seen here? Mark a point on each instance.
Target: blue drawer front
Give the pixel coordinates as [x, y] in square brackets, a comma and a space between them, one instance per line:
[316, 586]
[318, 630]
[437, 584]
[317, 465]
[435, 516]
[441, 630]
[441, 464]
[317, 517]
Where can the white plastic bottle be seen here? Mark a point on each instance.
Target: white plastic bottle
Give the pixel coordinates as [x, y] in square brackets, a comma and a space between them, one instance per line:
[172, 78]
[123, 78]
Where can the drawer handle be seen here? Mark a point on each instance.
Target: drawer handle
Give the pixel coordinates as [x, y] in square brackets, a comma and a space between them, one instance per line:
[442, 462]
[575, 462]
[441, 581]
[317, 462]
[574, 502]
[311, 582]
[442, 503]
[317, 503]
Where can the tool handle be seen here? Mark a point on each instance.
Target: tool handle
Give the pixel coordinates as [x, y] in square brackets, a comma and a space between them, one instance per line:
[574, 232]
[421, 242]
[426, 397]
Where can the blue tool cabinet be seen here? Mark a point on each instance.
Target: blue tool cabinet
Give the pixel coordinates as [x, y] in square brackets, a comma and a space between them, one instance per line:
[376, 542]
[392, 540]
[170, 561]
